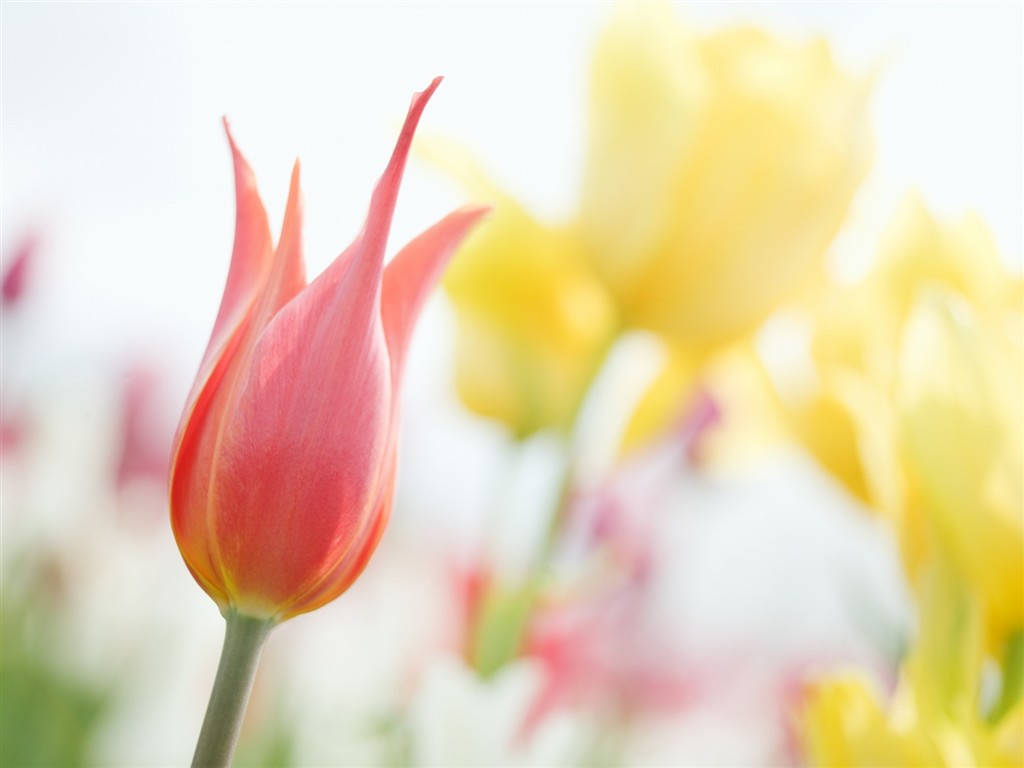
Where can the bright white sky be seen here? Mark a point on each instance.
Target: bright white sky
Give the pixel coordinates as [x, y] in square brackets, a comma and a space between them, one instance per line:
[112, 146]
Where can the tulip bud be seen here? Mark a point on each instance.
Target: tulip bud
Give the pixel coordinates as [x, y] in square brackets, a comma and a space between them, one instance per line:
[284, 462]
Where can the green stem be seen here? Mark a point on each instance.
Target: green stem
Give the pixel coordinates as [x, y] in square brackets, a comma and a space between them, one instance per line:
[243, 644]
[557, 516]
[498, 633]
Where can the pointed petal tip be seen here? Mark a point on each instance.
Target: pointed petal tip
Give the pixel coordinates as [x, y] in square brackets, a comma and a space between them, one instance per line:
[468, 217]
[243, 172]
[414, 271]
[464, 219]
[476, 210]
[419, 102]
[385, 194]
[427, 92]
[292, 227]
[231, 137]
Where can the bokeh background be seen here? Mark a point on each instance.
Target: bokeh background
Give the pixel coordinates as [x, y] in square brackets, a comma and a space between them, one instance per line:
[117, 203]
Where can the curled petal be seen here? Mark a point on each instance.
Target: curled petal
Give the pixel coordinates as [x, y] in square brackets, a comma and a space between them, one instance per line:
[413, 272]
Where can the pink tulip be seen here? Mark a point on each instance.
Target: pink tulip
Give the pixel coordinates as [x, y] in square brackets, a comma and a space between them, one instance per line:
[284, 462]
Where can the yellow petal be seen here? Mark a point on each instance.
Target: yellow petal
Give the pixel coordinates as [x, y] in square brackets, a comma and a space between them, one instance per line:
[961, 256]
[1008, 738]
[533, 322]
[647, 87]
[844, 724]
[719, 169]
[663, 402]
[960, 390]
[826, 428]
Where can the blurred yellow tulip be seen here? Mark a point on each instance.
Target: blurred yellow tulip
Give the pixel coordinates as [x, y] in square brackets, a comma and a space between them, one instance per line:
[661, 404]
[919, 411]
[853, 419]
[960, 389]
[719, 169]
[961, 256]
[534, 322]
[935, 716]
[843, 725]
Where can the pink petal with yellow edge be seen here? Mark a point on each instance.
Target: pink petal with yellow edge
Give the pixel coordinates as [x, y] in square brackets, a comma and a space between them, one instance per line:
[413, 273]
[258, 285]
[348, 568]
[251, 258]
[302, 453]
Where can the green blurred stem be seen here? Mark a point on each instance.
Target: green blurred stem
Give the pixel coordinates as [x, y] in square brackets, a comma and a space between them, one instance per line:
[499, 631]
[557, 517]
[243, 644]
[501, 628]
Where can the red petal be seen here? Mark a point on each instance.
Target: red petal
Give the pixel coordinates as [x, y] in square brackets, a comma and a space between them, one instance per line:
[413, 272]
[259, 283]
[287, 451]
[251, 259]
[287, 275]
[352, 563]
[301, 459]
[368, 261]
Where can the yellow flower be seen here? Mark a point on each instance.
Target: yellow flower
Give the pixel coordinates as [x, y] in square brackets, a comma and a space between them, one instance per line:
[843, 724]
[533, 321]
[962, 256]
[533, 324]
[853, 419]
[922, 368]
[935, 715]
[746, 420]
[662, 402]
[848, 421]
[719, 169]
[960, 387]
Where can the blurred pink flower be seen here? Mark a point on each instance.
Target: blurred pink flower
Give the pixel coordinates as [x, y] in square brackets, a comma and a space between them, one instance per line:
[12, 284]
[604, 650]
[145, 452]
[13, 417]
[604, 642]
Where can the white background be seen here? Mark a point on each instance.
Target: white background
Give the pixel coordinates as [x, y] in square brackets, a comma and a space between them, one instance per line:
[112, 145]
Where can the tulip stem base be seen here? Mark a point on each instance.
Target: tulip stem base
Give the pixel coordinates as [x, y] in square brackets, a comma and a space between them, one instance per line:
[243, 645]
